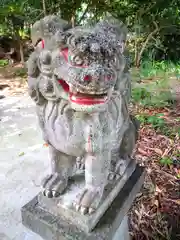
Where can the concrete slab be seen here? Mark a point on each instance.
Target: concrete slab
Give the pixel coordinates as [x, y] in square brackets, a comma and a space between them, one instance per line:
[23, 163]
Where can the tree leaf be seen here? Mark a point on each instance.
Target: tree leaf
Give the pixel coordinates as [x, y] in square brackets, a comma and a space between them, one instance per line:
[21, 154]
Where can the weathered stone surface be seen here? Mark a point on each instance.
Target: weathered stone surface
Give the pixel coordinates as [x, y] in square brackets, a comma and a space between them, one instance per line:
[52, 227]
[63, 205]
[122, 232]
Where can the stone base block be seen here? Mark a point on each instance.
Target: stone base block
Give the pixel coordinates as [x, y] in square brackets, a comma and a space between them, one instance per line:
[52, 226]
[63, 205]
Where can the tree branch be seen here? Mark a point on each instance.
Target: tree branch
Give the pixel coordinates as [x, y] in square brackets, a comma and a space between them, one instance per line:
[144, 11]
[146, 42]
[84, 14]
[44, 7]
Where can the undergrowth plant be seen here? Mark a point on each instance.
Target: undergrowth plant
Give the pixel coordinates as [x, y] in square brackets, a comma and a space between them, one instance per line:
[3, 62]
[158, 68]
[156, 121]
[159, 124]
[21, 72]
[151, 98]
[166, 161]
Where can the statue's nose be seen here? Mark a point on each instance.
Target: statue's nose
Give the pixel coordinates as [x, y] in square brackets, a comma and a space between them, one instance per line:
[87, 78]
[92, 80]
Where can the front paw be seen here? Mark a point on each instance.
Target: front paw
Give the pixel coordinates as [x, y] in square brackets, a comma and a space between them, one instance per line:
[119, 169]
[54, 185]
[80, 163]
[88, 200]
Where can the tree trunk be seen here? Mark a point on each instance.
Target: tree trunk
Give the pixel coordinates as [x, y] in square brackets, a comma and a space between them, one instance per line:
[84, 14]
[20, 48]
[149, 37]
[44, 7]
[73, 21]
[136, 51]
[21, 52]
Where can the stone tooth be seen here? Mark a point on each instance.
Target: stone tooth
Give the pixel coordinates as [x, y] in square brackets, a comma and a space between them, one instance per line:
[72, 88]
[75, 90]
[78, 90]
[109, 93]
[73, 98]
[83, 210]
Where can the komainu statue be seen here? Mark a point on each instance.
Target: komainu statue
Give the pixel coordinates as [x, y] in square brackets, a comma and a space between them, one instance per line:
[79, 80]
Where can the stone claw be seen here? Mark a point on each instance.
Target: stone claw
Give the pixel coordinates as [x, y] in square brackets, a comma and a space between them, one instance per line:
[119, 169]
[53, 185]
[88, 200]
[48, 193]
[83, 210]
[55, 194]
[111, 176]
[77, 207]
[91, 210]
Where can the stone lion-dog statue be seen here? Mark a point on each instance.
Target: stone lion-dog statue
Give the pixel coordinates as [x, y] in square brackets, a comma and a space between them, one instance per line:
[79, 80]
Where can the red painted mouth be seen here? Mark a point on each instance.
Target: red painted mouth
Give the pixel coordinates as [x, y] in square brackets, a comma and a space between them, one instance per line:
[81, 98]
[64, 85]
[88, 100]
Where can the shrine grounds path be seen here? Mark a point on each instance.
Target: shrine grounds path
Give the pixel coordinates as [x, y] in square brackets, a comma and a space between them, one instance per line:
[23, 163]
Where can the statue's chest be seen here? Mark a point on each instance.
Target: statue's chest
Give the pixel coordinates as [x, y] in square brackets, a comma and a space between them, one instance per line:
[64, 128]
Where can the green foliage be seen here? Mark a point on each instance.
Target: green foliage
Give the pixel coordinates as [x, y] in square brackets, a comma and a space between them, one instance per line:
[178, 131]
[155, 89]
[148, 21]
[158, 68]
[159, 124]
[166, 161]
[140, 94]
[21, 72]
[170, 132]
[156, 121]
[149, 98]
[16, 15]
[3, 62]
[142, 118]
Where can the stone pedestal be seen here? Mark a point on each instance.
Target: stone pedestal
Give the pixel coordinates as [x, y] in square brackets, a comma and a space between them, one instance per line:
[112, 224]
[122, 232]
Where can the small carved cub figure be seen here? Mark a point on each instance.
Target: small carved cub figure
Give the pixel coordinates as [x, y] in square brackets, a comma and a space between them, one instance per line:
[79, 80]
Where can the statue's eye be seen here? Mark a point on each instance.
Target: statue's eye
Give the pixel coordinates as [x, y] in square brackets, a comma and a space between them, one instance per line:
[114, 60]
[78, 60]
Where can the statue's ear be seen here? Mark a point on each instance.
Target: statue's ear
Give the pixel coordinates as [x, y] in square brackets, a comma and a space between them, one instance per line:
[45, 28]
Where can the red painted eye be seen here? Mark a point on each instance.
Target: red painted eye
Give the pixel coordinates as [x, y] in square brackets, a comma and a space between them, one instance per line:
[87, 78]
[109, 77]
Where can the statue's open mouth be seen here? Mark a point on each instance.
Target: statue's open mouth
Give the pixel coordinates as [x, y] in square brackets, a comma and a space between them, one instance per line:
[82, 98]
